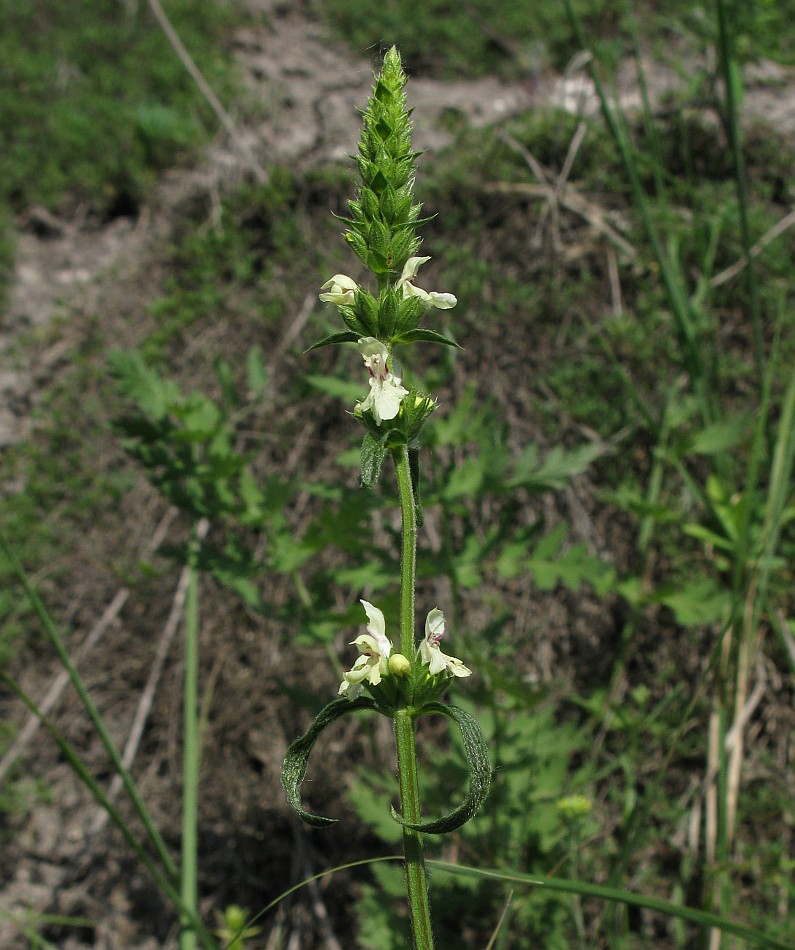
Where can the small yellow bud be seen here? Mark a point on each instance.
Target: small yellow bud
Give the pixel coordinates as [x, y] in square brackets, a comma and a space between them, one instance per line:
[398, 664]
[573, 807]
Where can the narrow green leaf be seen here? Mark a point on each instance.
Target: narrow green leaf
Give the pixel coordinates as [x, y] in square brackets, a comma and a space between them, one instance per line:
[617, 895]
[226, 381]
[373, 455]
[476, 753]
[256, 373]
[427, 336]
[297, 759]
[333, 339]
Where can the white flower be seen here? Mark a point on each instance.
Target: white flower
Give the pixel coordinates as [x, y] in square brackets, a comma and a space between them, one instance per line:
[341, 290]
[430, 653]
[386, 393]
[375, 650]
[432, 299]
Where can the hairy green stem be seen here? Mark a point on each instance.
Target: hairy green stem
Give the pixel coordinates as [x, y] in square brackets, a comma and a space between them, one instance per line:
[190, 765]
[408, 554]
[416, 875]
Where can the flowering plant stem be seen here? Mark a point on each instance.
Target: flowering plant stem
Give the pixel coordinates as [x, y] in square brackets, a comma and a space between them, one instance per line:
[416, 875]
[408, 556]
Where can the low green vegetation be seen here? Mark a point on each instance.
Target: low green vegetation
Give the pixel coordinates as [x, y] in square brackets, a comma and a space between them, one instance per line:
[477, 38]
[94, 102]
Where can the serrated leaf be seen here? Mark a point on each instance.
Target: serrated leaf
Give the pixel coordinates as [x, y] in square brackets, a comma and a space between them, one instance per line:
[296, 761]
[465, 480]
[555, 469]
[697, 603]
[476, 753]
[372, 458]
[256, 373]
[152, 394]
[226, 381]
[573, 568]
[342, 388]
[718, 437]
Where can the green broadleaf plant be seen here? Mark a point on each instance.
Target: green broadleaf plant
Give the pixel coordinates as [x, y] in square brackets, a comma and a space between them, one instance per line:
[403, 683]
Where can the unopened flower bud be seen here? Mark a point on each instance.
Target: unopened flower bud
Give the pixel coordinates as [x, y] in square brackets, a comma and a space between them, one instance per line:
[399, 664]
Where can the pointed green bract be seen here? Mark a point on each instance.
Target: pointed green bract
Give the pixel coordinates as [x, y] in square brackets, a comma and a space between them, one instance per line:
[296, 761]
[476, 753]
[384, 215]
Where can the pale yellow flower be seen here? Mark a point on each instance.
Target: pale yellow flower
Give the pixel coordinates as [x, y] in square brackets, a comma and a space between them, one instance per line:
[432, 299]
[430, 652]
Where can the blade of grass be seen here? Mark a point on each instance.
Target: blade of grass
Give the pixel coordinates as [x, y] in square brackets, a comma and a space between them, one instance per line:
[163, 882]
[58, 645]
[731, 77]
[191, 763]
[562, 886]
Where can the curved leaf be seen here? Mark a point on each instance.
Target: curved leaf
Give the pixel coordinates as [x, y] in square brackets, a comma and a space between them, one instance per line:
[297, 759]
[477, 757]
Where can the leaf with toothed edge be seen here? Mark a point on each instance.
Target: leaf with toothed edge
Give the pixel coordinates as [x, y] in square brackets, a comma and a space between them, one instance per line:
[476, 753]
[372, 458]
[296, 760]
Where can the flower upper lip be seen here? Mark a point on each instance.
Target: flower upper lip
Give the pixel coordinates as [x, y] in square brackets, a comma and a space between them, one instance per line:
[375, 649]
[430, 652]
[432, 299]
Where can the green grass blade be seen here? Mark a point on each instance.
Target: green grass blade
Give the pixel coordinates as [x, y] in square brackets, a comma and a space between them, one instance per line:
[166, 886]
[191, 755]
[93, 713]
[732, 76]
[560, 886]
[619, 896]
